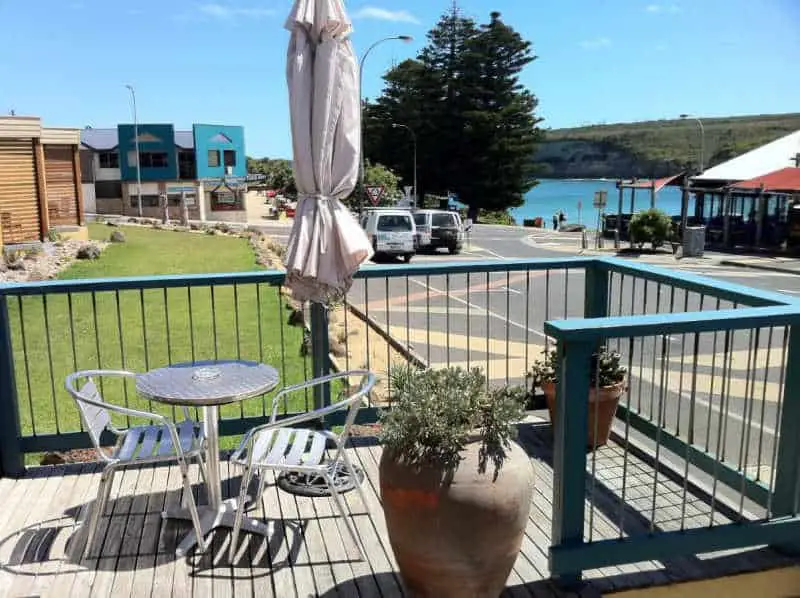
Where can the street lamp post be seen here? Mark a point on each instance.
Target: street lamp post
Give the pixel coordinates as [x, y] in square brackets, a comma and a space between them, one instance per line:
[138, 157]
[702, 138]
[414, 139]
[405, 38]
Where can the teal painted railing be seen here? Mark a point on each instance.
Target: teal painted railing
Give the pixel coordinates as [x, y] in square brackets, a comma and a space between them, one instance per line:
[686, 341]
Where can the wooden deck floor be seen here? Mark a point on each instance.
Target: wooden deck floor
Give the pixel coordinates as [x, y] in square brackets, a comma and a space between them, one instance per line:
[308, 552]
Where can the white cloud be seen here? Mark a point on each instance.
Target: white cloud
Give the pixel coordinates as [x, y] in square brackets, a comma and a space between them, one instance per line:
[383, 14]
[597, 42]
[663, 8]
[226, 12]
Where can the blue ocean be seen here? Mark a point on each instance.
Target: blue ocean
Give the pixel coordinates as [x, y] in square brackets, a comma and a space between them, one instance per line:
[552, 195]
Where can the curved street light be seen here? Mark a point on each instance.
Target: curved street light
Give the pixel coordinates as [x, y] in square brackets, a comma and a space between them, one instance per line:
[404, 38]
[702, 138]
[136, 142]
[414, 139]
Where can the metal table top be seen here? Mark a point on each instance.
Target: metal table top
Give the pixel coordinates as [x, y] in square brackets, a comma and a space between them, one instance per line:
[207, 382]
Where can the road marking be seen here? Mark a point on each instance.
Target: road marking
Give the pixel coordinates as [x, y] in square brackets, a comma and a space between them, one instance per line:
[472, 305]
[788, 291]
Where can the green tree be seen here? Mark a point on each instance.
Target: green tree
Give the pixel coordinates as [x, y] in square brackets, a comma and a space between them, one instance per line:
[278, 172]
[650, 226]
[475, 124]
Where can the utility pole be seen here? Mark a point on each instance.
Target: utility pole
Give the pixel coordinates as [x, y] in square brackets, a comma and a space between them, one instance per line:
[138, 156]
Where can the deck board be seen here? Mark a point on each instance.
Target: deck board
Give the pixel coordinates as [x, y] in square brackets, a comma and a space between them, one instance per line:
[308, 551]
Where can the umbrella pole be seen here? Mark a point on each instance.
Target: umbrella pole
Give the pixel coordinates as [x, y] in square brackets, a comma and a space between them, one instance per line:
[320, 351]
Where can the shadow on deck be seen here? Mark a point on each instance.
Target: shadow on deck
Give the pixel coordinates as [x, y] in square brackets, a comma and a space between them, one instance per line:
[308, 552]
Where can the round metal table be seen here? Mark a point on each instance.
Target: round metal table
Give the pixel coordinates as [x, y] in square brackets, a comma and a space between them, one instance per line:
[209, 384]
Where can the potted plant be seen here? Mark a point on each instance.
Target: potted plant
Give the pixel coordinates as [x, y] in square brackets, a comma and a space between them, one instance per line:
[606, 385]
[456, 488]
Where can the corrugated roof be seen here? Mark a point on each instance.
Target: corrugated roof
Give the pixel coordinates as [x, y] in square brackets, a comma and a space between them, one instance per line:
[785, 180]
[107, 139]
[758, 162]
[99, 139]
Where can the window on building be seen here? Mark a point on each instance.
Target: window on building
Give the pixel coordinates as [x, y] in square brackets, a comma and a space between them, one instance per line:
[186, 165]
[108, 159]
[148, 201]
[154, 159]
[108, 189]
[175, 199]
[226, 200]
[230, 157]
[213, 158]
[132, 159]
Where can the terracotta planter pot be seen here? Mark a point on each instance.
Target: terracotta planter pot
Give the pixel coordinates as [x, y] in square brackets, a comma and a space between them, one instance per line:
[456, 534]
[603, 404]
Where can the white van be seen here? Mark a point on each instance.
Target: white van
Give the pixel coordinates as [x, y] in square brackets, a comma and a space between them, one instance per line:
[392, 232]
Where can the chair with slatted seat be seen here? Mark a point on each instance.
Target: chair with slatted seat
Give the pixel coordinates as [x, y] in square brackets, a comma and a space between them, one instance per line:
[160, 440]
[280, 446]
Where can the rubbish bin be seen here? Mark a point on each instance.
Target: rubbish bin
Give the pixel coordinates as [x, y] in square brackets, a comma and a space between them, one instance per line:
[694, 241]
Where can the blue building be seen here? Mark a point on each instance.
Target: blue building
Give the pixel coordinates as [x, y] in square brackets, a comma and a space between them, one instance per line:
[207, 164]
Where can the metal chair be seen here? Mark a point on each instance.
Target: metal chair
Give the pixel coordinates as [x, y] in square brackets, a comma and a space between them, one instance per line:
[279, 446]
[159, 441]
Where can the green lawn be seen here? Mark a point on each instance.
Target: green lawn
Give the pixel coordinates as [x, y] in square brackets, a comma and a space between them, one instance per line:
[138, 330]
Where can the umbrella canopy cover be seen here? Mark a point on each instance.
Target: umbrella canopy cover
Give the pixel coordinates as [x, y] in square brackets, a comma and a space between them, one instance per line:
[326, 245]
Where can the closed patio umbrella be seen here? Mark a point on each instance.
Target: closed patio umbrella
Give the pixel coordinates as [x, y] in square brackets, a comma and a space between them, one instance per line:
[326, 245]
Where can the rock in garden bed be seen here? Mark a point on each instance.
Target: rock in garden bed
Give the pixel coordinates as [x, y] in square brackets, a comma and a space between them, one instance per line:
[47, 261]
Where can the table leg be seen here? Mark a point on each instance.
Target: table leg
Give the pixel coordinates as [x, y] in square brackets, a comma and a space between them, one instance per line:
[218, 512]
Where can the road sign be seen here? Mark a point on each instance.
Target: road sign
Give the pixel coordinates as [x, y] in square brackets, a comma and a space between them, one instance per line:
[375, 192]
[407, 190]
[600, 199]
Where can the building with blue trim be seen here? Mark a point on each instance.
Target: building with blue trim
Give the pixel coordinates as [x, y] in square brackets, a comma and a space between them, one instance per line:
[207, 164]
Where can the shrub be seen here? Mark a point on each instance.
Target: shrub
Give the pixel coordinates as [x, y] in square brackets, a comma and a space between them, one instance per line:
[53, 235]
[434, 413]
[605, 369]
[650, 226]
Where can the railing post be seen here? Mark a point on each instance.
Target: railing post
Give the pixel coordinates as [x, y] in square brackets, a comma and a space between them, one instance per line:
[320, 351]
[787, 468]
[11, 458]
[569, 454]
[595, 302]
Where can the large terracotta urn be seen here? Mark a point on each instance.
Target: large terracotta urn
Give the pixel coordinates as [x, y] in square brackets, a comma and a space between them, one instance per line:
[603, 404]
[456, 533]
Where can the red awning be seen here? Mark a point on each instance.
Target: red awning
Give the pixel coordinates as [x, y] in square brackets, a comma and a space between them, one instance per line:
[647, 183]
[785, 180]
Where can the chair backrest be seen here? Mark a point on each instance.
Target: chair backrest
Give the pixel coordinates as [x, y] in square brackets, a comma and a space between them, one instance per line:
[353, 403]
[94, 411]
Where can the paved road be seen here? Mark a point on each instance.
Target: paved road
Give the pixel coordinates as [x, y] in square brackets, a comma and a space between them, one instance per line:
[495, 321]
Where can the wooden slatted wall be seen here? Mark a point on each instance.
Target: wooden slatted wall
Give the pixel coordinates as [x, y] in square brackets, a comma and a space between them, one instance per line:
[19, 209]
[62, 201]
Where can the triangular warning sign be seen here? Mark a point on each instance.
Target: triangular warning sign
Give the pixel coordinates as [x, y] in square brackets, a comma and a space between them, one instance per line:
[375, 192]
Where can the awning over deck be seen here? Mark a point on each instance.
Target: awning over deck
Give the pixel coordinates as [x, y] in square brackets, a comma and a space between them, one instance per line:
[659, 184]
[784, 180]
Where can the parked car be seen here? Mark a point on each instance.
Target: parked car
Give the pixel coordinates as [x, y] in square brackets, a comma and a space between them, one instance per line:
[439, 228]
[392, 232]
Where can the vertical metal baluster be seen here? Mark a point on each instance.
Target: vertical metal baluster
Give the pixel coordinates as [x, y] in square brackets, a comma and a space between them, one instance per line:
[778, 414]
[508, 325]
[121, 345]
[745, 448]
[665, 352]
[144, 339]
[408, 314]
[191, 323]
[169, 342]
[566, 293]
[690, 439]
[72, 342]
[720, 424]
[469, 317]
[655, 343]
[260, 337]
[97, 341]
[593, 476]
[50, 361]
[641, 355]
[546, 306]
[683, 361]
[711, 384]
[26, 362]
[214, 322]
[488, 328]
[282, 325]
[345, 311]
[388, 330]
[767, 368]
[528, 303]
[447, 315]
[727, 382]
[619, 306]
[366, 326]
[238, 335]
[631, 341]
[428, 314]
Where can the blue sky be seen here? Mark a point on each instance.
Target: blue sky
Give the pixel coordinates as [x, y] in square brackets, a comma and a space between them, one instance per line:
[222, 61]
